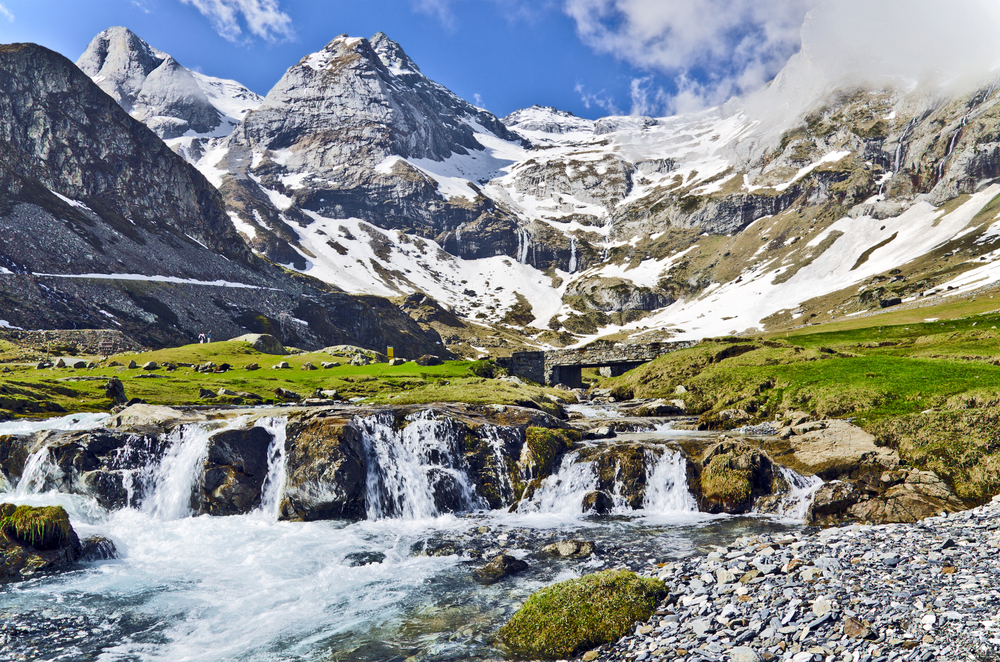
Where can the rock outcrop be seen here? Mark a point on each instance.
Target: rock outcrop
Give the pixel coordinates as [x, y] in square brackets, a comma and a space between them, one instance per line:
[154, 249]
[34, 540]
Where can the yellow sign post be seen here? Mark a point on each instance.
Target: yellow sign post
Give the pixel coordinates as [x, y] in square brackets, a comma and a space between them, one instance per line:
[389, 352]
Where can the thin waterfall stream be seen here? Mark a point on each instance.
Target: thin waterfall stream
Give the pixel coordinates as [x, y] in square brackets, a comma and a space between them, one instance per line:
[394, 586]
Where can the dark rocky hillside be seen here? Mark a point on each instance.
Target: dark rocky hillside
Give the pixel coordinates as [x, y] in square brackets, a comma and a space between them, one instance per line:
[102, 225]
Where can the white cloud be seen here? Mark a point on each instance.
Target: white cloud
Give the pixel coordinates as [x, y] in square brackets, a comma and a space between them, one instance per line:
[438, 8]
[716, 49]
[601, 99]
[732, 46]
[262, 18]
[6, 13]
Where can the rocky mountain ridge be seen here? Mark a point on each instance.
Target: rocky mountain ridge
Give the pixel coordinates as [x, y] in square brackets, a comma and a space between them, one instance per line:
[361, 171]
[183, 107]
[104, 225]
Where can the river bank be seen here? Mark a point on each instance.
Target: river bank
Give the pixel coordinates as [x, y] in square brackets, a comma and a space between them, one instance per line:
[923, 591]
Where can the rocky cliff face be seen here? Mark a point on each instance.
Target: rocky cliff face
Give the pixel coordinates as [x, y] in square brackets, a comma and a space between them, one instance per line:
[104, 225]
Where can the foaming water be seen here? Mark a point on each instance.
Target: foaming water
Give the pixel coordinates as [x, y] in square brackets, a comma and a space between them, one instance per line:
[70, 422]
[249, 587]
[802, 489]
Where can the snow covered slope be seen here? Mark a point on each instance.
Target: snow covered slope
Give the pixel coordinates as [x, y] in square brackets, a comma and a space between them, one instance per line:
[798, 204]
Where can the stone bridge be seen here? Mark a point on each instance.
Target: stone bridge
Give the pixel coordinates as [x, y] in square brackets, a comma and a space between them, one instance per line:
[562, 366]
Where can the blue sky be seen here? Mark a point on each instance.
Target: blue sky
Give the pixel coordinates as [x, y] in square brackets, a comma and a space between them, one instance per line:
[591, 57]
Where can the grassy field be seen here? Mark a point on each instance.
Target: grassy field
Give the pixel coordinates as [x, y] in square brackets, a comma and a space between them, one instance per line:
[27, 391]
[931, 390]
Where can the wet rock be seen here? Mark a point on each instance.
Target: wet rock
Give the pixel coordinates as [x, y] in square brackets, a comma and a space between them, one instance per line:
[97, 548]
[734, 474]
[500, 566]
[355, 559]
[326, 470]
[597, 502]
[573, 549]
[235, 469]
[602, 432]
[34, 540]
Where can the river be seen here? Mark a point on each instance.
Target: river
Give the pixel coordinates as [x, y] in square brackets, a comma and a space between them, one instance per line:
[397, 587]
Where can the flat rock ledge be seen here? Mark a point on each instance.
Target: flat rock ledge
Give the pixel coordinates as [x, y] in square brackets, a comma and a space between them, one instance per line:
[907, 592]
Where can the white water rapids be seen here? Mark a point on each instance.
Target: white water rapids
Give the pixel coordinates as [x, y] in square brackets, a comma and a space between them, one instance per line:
[249, 587]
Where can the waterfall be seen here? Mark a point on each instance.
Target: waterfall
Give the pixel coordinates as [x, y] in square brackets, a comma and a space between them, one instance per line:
[666, 485]
[179, 472]
[38, 470]
[417, 472]
[802, 489]
[667, 488]
[271, 490]
[572, 255]
[523, 245]
[951, 146]
[498, 437]
[899, 145]
[563, 491]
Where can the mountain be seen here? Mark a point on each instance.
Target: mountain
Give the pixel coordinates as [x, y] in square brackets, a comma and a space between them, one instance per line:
[181, 106]
[795, 205]
[104, 225]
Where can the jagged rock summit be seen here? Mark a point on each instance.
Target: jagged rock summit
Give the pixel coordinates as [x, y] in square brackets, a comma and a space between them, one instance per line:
[103, 224]
[175, 102]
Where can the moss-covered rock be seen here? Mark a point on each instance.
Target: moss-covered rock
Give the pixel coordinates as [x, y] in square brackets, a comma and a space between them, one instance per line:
[545, 447]
[572, 616]
[34, 539]
[733, 475]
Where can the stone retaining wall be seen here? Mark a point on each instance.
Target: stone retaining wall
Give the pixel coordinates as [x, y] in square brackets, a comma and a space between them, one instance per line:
[71, 341]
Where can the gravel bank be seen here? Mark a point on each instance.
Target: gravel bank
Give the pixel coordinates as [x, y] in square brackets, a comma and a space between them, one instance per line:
[925, 591]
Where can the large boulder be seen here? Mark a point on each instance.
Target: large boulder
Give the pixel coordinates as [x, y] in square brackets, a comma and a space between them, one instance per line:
[235, 469]
[832, 450]
[734, 474]
[34, 540]
[263, 343]
[326, 470]
[921, 494]
[570, 617]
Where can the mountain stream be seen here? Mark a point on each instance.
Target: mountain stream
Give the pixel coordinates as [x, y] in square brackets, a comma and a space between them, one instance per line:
[394, 587]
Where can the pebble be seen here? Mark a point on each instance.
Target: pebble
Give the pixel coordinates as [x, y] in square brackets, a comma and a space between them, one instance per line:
[906, 592]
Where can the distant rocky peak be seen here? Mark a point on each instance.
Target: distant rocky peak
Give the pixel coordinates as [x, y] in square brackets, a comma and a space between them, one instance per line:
[176, 103]
[545, 119]
[119, 62]
[393, 56]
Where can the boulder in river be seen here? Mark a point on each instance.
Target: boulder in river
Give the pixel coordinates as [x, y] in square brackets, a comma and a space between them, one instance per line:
[34, 540]
[733, 475]
[235, 469]
[500, 566]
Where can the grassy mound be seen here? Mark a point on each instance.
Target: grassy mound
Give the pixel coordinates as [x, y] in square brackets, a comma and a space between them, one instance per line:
[41, 528]
[573, 616]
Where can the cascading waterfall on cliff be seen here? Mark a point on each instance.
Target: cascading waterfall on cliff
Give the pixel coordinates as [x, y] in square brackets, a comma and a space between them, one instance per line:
[178, 473]
[416, 472]
[572, 255]
[270, 493]
[666, 486]
[801, 489]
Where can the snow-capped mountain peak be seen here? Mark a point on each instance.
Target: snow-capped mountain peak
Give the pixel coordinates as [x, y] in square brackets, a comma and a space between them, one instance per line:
[178, 104]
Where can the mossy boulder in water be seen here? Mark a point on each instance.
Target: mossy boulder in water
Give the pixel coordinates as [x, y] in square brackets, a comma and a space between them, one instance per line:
[733, 475]
[573, 616]
[34, 539]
